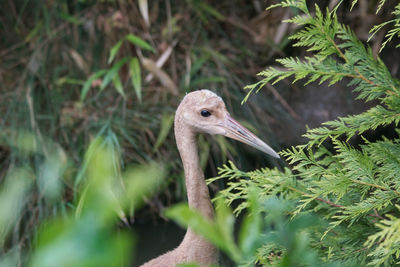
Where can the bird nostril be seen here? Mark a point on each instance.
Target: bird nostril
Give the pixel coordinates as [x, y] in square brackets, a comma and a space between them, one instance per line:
[241, 132]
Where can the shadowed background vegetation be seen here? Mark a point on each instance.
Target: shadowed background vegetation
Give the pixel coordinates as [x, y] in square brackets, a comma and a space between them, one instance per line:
[74, 71]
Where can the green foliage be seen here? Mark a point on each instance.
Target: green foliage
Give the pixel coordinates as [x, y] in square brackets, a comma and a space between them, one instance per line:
[387, 240]
[353, 190]
[112, 73]
[395, 31]
[85, 234]
[11, 200]
[265, 237]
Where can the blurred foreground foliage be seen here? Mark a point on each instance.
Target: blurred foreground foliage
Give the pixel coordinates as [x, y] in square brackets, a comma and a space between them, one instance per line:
[266, 236]
[85, 234]
[353, 191]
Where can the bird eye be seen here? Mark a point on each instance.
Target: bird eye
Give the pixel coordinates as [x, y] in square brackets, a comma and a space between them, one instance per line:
[205, 113]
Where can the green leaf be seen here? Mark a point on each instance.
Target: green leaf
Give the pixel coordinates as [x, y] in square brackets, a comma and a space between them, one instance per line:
[118, 85]
[187, 217]
[34, 31]
[12, 193]
[114, 50]
[212, 11]
[250, 231]
[134, 71]
[225, 222]
[139, 42]
[70, 18]
[166, 124]
[220, 232]
[141, 182]
[88, 83]
[112, 72]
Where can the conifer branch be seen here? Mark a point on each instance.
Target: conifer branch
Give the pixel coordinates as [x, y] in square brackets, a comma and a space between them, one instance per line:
[346, 185]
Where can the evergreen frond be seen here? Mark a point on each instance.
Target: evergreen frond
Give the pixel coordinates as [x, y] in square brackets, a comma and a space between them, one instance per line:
[386, 242]
[395, 31]
[352, 188]
[353, 125]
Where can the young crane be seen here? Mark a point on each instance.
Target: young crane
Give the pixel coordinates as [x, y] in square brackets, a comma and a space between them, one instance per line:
[201, 112]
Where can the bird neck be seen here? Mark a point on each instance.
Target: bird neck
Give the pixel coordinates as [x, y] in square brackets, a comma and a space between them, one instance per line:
[196, 187]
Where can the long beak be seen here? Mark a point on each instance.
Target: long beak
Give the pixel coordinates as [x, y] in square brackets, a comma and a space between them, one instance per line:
[236, 131]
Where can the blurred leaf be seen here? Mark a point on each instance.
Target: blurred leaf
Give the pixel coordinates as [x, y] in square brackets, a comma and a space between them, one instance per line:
[90, 238]
[198, 64]
[139, 42]
[144, 10]
[34, 31]
[81, 202]
[219, 232]
[90, 152]
[187, 217]
[201, 8]
[78, 59]
[84, 242]
[88, 83]
[142, 181]
[50, 174]
[135, 184]
[225, 221]
[118, 85]
[25, 141]
[134, 70]
[114, 50]
[112, 72]
[250, 230]
[99, 180]
[70, 18]
[212, 11]
[163, 77]
[202, 81]
[166, 125]
[12, 195]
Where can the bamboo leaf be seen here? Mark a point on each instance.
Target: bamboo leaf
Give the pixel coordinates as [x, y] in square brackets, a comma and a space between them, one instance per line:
[144, 10]
[114, 50]
[166, 124]
[88, 83]
[139, 42]
[118, 85]
[134, 71]
[112, 72]
[164, 78]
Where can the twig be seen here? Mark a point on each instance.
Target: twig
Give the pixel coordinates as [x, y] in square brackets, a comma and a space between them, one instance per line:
[283, 101]
[330, 203]
[34, 126]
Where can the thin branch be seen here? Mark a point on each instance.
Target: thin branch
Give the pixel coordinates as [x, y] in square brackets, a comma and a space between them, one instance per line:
[330, 203]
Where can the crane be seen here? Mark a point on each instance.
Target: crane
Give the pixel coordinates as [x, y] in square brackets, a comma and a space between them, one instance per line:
[201, 111]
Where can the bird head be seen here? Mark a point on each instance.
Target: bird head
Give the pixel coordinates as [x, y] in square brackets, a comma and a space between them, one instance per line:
[205, 112]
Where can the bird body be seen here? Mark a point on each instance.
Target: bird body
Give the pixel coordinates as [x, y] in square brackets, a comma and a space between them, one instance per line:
[201, 112]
